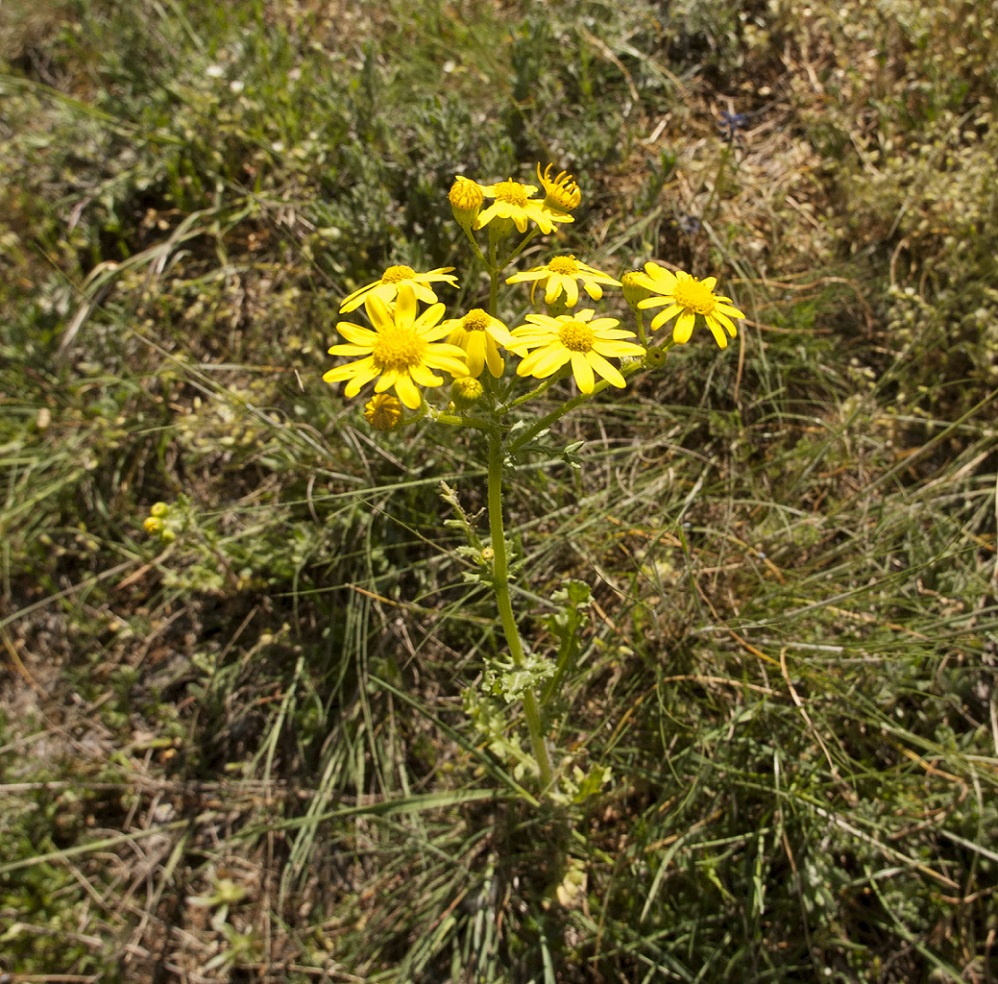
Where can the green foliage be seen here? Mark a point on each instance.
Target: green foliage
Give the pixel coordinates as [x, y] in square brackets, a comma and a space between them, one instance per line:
[935, 202]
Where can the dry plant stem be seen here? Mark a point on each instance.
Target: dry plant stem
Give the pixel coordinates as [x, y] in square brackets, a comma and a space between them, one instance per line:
[500, 583]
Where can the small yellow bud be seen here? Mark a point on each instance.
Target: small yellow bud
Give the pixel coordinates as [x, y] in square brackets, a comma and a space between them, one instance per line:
[153, 524]
[466, 391]
[466, 199]
[634, 289]
[159, 509]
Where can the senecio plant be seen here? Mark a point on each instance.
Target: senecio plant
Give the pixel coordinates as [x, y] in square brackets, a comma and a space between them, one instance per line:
[410, 347]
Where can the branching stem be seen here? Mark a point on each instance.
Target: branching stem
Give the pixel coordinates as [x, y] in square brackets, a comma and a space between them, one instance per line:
[500, 579]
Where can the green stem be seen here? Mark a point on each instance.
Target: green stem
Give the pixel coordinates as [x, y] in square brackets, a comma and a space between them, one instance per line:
[642, 336]
[455, 420]
[493, 291]
[525, 437]
[524, 243]
[500, 582]
[474, 245]
[534, 393]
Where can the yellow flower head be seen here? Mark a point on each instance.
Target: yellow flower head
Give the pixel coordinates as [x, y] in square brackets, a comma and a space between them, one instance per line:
[383, 411]
[560, 276]
[575, 339]
[513, 201]
[480, 335]
[684, 297]
[466, 199]
[388, 286]
[152, 524]
[561, 192]
[400, 352]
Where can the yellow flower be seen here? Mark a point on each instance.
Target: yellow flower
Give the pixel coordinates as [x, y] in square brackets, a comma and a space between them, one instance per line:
[687, 297]
[400, 352]
[465, 197]
[577, 339]
[152, 524]
[513, 202]
[387, 287]
[560, 274]
[480, 335]
[560, 192]
[383, 412]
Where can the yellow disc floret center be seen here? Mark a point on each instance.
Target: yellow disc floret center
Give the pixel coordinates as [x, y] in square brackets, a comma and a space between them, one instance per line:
[576, 336]
[511, 192]
[396, 274]
[564, 265]
[694, 296]
[475, 320]
[397, 350]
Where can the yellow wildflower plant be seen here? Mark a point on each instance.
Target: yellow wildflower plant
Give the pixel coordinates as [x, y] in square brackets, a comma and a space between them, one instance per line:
[480, 335]
[684, 297]
[514, 201]
[412, 344]
[560, 192]
[400, 353]
[388, 286]
[562, 275]
[576, 339]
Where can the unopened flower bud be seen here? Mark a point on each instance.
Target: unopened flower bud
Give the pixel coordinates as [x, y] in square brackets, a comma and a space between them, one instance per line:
[634, 289]
[466, 199]
[466, 391]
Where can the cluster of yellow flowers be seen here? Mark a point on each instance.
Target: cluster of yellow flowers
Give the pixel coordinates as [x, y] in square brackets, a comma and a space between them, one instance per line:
[406, 348]
[160, 523]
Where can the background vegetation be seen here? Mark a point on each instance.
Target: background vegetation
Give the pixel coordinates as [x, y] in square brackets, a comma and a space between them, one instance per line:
[243, 755]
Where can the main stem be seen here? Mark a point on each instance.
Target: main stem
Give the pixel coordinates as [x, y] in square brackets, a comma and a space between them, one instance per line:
[500, 581]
